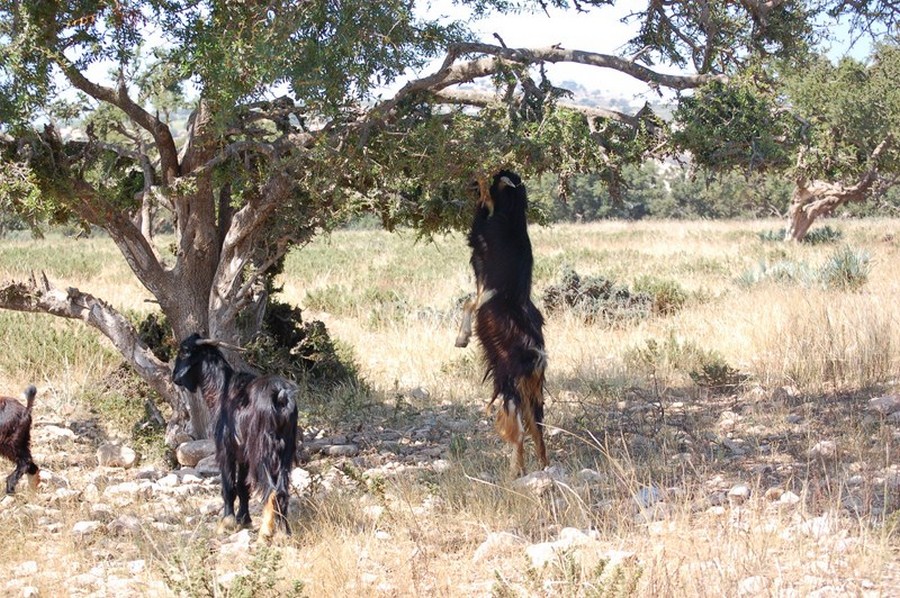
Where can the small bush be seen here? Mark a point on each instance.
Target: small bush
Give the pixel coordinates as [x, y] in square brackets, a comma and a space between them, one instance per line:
[596, 299]
[667, 296]
[846, 270]
[818, 236]
[781, 272]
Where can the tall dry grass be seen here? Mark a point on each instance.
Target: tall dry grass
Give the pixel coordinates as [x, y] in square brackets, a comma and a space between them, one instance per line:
[621, 402]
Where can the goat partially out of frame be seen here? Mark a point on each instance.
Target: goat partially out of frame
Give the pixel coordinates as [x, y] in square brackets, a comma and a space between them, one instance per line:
[15, 439]
[508, 324]
[255, 431]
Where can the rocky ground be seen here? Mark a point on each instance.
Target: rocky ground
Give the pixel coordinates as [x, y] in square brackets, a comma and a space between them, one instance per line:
[103, 523]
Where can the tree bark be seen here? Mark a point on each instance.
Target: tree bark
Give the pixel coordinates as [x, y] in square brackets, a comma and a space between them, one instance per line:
[33, 297]
[811, 199]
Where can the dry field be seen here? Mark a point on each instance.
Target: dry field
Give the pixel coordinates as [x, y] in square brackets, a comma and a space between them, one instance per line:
[724, 445]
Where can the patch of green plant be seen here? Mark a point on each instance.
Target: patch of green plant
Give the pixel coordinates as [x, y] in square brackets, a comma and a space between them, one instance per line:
[262, 577]
[816, 236]
[780, 272]
[596, 299]
[716, 374]
[667, 296]
[126, 403]
[846, 269]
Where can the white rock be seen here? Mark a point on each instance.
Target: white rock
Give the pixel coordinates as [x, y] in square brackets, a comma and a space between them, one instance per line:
[752, 586]
[85, 529]
[190, 453]
[136, 566]
[420, 394]
[27, 568]
[885, 405]
[300, 479]
[123, 525]
[207, 466]
[824, 449]
[537, 482]
[341, 450]
[57, 435]
[738, 494]
[494, 543]
[116, 455]
[590, 476]
[788, 498]
[168, 481]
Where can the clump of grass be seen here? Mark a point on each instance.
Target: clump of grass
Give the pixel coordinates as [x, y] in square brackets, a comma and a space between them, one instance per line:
[846, 269]
[672, 357]
[780, 272]
[666, 295]
[817, 236]
[596, 299]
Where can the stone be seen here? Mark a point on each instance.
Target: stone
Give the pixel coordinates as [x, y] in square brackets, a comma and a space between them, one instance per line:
[496, 542]
[788, 498]
[85, 529]
[537, 482]
[824, 449]
[168, 481]
[420, 394]
[116, 455]
[207, 467]
[190, 453]
[752, 586]
[300, 479]
[27, 568]
[647, 496]
[124, 525]
[341, 450]
[738, 494]
[885, 405]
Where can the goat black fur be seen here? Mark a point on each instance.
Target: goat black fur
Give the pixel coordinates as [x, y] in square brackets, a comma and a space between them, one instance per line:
[15, 438]
[508, 324]
[255, 431]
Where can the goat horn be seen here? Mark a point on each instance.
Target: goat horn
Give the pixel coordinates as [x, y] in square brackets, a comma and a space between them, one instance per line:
[217, 343]
[505, 180]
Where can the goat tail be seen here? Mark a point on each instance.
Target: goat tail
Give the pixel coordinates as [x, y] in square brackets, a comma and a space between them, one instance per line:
[29, 395]
[276, 442]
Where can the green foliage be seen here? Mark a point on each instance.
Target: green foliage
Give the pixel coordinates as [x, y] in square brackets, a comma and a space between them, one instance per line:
[849, 108]
[666, 295]
[845, 269]
[596, 299]
[735, 126]
[663, 359]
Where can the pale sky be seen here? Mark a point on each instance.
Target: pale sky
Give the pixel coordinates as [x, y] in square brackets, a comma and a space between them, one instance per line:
[599, 30]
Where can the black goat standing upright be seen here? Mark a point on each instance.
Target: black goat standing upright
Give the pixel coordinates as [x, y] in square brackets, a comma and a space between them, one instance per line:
[15, 439]
[255, 431]
[508, 324]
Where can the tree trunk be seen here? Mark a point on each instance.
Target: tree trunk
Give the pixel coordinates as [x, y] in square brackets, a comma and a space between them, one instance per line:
[811, 199]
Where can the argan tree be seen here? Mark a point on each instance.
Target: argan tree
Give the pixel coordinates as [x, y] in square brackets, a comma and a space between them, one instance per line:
[830, 127]
[291, 132]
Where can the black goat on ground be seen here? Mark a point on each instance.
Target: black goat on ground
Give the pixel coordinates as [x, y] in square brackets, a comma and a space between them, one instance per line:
[508, 324]
[15, 439]
[255, 431]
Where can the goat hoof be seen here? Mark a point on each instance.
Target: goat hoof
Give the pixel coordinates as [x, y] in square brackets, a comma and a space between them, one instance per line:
[227, 524]
[462, 342]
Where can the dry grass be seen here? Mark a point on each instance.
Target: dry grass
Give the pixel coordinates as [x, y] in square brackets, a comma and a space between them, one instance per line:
[812, 358]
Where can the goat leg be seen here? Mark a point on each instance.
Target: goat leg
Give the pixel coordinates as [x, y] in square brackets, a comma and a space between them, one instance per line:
[243, 495]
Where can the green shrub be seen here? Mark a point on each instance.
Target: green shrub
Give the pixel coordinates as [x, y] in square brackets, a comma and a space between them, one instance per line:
[817, 236]
[667, 296]
[846, 269]
[596, 299]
